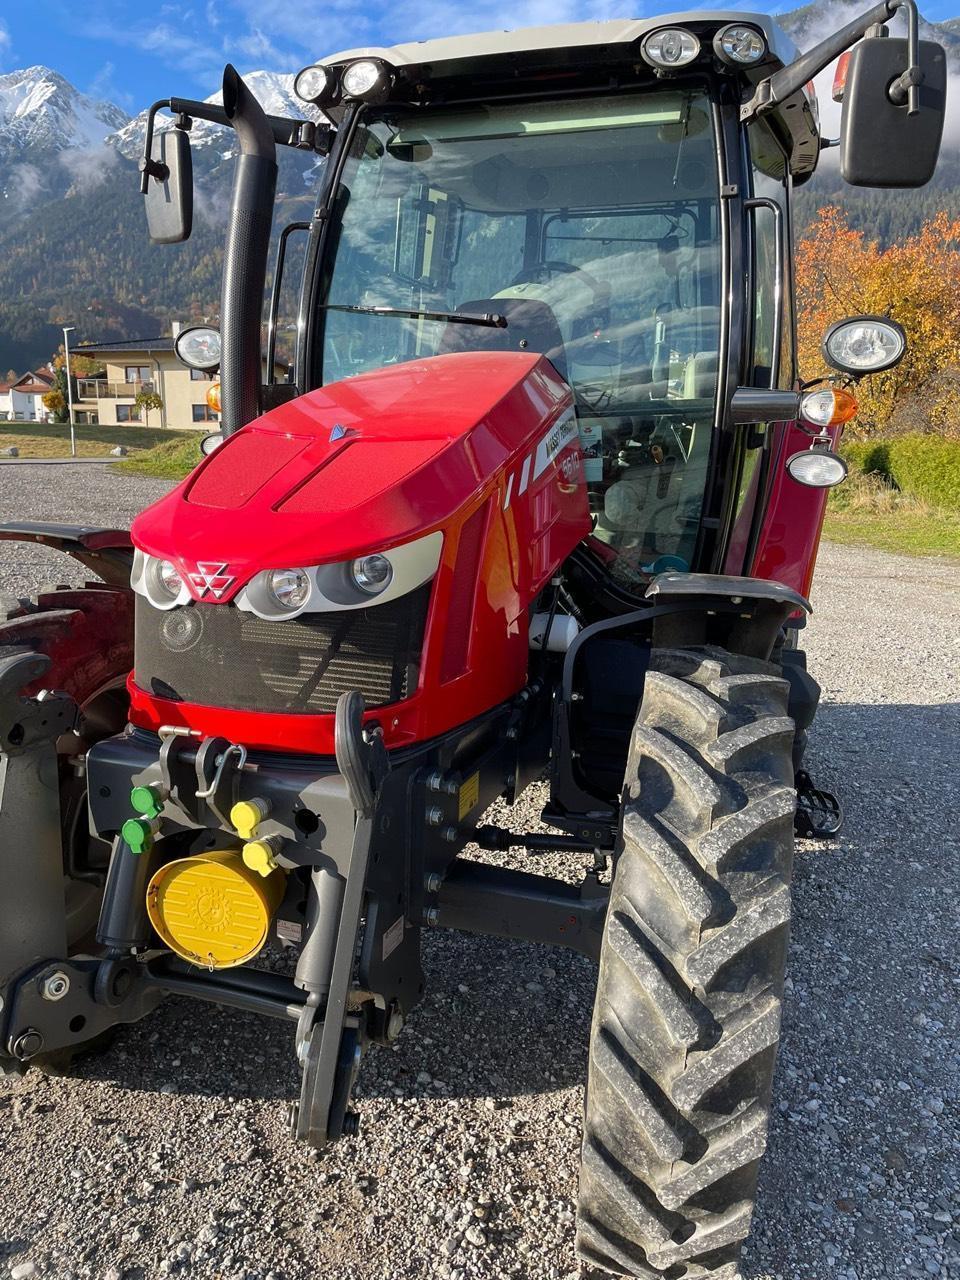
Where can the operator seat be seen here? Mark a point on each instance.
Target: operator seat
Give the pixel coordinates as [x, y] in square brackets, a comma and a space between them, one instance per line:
[531, 326]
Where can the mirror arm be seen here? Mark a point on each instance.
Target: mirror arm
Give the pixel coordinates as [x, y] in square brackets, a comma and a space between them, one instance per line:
[906, 88]
[789, 80]
[302, 134]
[150, 168]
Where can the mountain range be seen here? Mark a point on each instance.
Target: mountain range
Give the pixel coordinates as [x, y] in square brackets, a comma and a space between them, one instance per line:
[73, 245]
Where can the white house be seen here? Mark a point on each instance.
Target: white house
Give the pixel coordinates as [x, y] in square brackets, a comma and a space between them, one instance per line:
[22, 400]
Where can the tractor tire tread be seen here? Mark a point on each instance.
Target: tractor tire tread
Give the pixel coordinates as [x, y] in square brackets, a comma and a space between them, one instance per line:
[687, 1017]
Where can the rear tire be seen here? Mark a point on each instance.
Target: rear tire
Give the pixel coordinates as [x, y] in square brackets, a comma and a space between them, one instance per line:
[687, 1015]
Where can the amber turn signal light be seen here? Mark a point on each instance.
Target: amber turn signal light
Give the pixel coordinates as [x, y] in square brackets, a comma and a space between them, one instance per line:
[828, 408]
[213, 397]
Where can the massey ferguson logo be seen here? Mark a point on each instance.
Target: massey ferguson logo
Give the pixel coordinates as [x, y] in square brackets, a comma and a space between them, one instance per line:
[210, 577]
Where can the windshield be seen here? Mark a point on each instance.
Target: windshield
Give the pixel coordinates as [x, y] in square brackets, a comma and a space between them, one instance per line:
[592, 227]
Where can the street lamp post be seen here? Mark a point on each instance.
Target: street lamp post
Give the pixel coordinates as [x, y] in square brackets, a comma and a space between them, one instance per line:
[68, 329]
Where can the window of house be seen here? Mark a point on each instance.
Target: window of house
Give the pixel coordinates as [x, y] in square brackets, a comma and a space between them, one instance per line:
[203, 413]
[137, 373]
[128, 413]
[198, 375]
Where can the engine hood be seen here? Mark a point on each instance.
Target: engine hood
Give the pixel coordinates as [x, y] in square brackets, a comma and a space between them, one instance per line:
[357, 466]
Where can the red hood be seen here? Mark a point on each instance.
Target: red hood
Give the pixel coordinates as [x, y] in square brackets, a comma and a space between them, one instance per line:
[357, 466]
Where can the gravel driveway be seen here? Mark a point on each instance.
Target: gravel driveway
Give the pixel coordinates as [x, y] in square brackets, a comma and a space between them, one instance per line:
[170, 1156]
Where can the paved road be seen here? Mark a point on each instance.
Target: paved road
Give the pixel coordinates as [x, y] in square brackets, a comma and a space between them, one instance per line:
[169, 1154]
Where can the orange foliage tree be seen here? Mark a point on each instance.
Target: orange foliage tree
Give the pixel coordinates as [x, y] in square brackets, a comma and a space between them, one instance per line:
[916, 282]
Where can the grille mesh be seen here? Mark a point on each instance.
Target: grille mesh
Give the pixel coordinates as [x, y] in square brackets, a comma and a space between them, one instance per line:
[224, 657]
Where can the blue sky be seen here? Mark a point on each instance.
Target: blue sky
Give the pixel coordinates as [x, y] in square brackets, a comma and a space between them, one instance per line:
[134, 52]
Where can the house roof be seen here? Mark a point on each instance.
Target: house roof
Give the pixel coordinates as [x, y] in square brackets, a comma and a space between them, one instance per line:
[42, 375]
[32, 388]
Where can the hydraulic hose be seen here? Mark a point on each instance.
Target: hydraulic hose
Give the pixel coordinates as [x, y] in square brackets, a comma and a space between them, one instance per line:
[245, 258]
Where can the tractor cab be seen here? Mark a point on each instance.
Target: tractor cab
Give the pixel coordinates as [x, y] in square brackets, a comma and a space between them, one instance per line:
[615, 196]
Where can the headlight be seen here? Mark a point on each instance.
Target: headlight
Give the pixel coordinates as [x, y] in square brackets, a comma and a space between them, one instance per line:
[289, 588]
[739, 45]
[159, 580]
[670, 47]
[168, 578]
[817, 468]
[372, 574]
[864, 344]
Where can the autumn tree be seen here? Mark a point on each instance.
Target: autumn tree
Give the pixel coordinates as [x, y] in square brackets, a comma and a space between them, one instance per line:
[915, 282]
[55, 401]
[147, 400]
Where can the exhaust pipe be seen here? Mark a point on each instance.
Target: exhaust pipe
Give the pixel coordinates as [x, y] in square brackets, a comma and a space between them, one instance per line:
[245, 258]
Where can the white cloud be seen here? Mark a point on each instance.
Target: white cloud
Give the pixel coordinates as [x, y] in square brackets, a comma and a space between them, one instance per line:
[6, 44]
[104, 88]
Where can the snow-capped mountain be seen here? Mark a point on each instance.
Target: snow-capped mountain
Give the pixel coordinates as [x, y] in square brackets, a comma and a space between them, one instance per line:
[274, 93]
[41, 112]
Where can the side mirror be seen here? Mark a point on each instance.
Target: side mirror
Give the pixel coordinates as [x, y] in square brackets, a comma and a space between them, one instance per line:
[881, 143]
[169, 195]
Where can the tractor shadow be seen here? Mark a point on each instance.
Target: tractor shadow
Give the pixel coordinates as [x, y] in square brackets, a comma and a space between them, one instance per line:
[871, 1017]
[871, 1001]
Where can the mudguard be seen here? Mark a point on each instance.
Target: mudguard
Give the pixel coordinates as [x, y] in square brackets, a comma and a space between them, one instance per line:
[106, 552]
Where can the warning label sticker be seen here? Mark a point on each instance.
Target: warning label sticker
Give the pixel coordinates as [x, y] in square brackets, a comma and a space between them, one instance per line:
[469, 795]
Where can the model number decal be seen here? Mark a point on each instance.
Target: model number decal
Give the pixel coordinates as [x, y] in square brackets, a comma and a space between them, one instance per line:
[561, 434]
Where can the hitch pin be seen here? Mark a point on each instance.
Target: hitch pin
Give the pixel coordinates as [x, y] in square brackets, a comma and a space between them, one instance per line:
[232, 750]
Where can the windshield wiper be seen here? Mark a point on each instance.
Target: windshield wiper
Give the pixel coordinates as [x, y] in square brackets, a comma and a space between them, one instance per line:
[487, 321]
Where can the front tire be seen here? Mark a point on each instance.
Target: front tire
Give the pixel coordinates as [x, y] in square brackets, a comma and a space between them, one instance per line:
[687, 1015]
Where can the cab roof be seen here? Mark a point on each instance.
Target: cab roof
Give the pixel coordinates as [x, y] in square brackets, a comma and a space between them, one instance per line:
[561, 37]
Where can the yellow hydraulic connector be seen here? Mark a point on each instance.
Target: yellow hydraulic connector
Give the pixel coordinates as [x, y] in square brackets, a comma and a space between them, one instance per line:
[212, 909]
[247, 815]
[261, 855]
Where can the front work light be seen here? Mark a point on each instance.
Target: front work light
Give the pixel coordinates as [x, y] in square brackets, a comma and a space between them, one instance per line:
[817, 468]
[670, 47]
[366, 79]
[864, 344]
[739, 45]
[289, 588]
[198, 348]
[827, 408]
[313, 84]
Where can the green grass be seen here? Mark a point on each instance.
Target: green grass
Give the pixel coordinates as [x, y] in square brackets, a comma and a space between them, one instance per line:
[170, 460]
[866, 511]
[49, 440]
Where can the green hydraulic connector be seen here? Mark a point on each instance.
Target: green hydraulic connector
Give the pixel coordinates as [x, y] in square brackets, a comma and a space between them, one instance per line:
[147, 801]
[137, 835]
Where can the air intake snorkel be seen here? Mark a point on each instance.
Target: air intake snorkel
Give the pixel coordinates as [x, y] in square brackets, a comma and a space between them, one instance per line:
[245, 259]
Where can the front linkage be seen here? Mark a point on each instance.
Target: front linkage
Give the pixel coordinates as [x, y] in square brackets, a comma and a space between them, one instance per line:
[369, 844]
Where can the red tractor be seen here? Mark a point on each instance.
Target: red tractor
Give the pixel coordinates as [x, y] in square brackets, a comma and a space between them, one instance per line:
[540, 494]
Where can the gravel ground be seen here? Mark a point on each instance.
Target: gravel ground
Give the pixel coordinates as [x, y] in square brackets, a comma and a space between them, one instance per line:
[169, 1154]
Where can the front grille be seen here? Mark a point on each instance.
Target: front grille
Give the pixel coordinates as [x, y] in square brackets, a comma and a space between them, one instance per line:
[224, 657]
